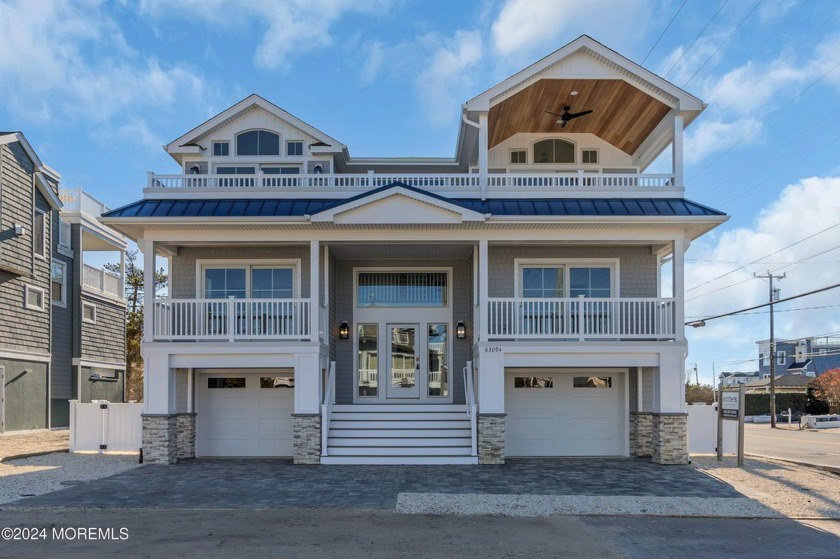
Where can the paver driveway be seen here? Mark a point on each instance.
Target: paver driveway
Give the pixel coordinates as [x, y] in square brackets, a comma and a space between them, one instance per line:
[242, 484]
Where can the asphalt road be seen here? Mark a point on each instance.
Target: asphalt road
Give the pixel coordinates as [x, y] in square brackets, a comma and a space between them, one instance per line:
[813, 446]
[376, 534]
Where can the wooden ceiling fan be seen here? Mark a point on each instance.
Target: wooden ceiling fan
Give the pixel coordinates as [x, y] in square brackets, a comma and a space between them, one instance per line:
[566, 116]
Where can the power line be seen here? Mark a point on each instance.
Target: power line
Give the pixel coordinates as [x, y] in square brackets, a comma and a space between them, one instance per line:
[697, 323]
[663, 32]
[695, 38]
[694, 75]
[783, 310]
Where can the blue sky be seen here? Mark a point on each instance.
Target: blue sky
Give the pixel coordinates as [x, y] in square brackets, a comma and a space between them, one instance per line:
[97, 88]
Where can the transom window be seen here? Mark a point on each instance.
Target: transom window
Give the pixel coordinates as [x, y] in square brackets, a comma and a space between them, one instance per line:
[554, 150]
[402, 289]
[258, 142]
[257, 282]
[550, 281]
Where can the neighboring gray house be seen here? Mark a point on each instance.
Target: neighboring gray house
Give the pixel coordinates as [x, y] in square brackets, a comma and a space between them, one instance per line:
[809, 357]
[61, 318]
[734, 379]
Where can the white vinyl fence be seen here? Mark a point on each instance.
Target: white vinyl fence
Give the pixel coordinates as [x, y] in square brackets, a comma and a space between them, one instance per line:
[102, 426]
[702, 431]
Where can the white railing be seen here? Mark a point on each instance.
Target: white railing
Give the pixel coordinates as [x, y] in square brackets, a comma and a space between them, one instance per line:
[65, 233]
[326, 408]
[231, 319]
[102, 280]
[432, 181]
[581, 318]
[77, 200]
[472, 408]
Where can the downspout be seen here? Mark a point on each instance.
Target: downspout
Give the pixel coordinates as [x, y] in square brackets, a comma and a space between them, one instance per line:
[483, 183]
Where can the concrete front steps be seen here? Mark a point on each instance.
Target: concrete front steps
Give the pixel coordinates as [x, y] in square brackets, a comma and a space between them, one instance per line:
[399, 434]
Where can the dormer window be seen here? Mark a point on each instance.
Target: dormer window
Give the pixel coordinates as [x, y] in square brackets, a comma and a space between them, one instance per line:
[294, 148]
[554, 150]
[258, 142]
[221, 148]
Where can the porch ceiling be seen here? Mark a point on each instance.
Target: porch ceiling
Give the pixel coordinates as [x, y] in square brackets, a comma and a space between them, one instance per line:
[622, 114]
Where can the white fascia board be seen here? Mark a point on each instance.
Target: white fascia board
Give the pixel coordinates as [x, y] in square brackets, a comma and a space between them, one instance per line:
[252, 99]
[330, 214]
[47, 191]
[686, 101]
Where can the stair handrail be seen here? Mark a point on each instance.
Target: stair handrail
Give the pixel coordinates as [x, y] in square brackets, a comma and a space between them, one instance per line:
[469, 390]
[326, 408]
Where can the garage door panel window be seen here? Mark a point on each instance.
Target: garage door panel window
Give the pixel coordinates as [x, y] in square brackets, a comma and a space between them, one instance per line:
[277, 382]
[533, 382]
[592, 382]
[226, 382]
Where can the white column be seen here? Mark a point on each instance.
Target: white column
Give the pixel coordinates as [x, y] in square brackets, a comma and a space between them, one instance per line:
[122, 274]
[483, 286]
[678, 285]
[482, 153]
[314, 282]
[677, 152]
[158, 385]
[307, 383]
[491, 383]
[669, 383]
[148, 248]
[476, 325]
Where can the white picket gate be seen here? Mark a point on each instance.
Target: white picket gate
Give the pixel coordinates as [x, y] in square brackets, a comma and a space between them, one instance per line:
[104, 426]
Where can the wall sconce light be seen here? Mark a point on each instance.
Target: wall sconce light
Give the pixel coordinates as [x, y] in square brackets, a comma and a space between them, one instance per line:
[344, 331]
[461, 330]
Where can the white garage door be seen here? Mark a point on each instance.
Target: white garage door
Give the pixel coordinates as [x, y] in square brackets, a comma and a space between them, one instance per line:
[565, 413]
[245, 414]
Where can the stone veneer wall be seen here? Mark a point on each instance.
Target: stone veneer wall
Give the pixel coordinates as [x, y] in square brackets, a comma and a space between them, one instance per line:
[491, 439]
[670, 440]
[641, 433]
[168, 438]
[307, 438]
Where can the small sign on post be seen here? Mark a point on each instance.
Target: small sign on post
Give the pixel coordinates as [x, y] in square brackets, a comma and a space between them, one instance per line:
[732, 408]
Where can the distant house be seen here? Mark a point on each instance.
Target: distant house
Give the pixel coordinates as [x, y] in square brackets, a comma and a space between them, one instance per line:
[735, 379]
[63, 321]
[808, 357]
[785, 384]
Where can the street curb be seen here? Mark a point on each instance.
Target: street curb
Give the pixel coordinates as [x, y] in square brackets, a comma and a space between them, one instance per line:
[831, 469]
[32, 454]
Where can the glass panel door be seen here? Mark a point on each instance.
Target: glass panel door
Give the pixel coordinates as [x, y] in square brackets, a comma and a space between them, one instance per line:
[403, 361]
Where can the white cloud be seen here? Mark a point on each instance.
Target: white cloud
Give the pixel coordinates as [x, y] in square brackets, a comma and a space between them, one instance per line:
[717, 136]
[802, 209]
[524, 25]
[446, 78]
[288, 27]
[69, 61]
[138, 131]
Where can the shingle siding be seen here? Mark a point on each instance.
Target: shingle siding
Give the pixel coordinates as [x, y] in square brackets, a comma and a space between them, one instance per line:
[183, 272]
[637, 266]
[61, 371]
[104, 340]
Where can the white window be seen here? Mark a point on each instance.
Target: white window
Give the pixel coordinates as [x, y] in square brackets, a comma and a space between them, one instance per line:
[780, 357]
[589, 156]
[294, 147]
[258, 142]
[240, 280]
[556, 279]
[33, 298]
[554, 150]
[58, 286]
[39, 233]
[88, 312]
[221, 148]
[519, 156]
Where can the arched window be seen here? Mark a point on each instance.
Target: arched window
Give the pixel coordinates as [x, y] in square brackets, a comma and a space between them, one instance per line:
[258, 142]
[554, 150]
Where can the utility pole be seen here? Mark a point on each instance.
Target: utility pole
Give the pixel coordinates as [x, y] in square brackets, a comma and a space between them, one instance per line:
[774, 296]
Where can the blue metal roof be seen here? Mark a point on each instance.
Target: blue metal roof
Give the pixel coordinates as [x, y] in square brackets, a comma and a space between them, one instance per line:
[525, 207]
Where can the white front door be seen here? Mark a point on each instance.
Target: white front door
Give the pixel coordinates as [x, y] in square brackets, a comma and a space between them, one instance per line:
[404, 364]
